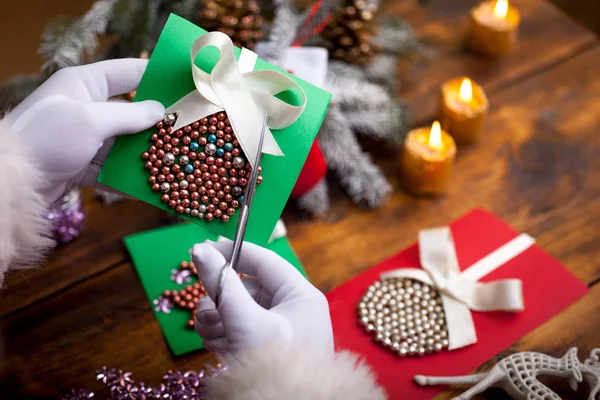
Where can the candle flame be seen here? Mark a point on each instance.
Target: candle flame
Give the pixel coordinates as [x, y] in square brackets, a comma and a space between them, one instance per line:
[501, 9]
[465, 93]
[435, 136]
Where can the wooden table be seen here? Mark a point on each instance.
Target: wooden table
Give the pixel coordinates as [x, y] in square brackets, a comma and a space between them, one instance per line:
[537, 167]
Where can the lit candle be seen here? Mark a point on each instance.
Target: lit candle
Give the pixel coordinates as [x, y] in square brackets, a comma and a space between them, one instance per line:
[463, 107]
[493, 28]
[427, 160]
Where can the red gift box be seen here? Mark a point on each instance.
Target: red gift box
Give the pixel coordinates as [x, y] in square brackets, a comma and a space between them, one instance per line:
[548, 288]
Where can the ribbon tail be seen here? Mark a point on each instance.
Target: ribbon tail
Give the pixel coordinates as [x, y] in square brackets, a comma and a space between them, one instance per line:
[437, 254]
[191, 108]
[461, 328]
[279, 231]
[502, 295]
[265, 85]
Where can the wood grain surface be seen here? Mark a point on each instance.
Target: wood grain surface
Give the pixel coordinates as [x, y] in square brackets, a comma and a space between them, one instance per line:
[536, 167]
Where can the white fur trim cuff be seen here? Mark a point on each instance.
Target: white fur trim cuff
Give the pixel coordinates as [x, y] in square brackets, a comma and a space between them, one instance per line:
[270, 373]
[24, 232]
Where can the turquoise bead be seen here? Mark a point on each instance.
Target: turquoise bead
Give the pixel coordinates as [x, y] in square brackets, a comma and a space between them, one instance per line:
[220, 152]
[228, 146]
[241, 198]
[189, 169]
[212, 138]
[194, 146]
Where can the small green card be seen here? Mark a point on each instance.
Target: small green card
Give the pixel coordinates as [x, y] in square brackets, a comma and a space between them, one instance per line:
[155, 253]
[168, 78]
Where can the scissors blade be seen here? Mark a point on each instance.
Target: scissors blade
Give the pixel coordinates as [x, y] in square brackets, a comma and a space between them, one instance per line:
[249, 196]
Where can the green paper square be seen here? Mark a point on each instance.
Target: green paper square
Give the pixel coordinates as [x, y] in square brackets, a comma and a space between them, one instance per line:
[168, 77]
[155, 253]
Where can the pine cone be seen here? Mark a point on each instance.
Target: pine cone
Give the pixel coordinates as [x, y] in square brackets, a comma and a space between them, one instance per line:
[350, 32]
[238, 19]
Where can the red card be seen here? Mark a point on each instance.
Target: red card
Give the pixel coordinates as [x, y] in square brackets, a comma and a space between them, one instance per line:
[548, 288]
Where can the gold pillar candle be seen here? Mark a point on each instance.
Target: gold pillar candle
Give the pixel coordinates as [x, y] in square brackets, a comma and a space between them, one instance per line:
[493, 28]
[427, 160]
[463, 108]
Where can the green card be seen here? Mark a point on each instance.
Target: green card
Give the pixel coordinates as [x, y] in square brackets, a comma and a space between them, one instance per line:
[155, 253]
[168, 78]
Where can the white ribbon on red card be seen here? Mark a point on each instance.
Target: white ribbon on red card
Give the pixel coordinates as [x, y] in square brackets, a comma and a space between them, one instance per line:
[460, 291]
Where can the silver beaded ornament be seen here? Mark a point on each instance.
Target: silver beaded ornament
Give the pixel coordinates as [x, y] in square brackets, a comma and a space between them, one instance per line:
[165, 187]
[404, 316]
[238, 162]
[210, 149]
[170, 119]
[169, 159]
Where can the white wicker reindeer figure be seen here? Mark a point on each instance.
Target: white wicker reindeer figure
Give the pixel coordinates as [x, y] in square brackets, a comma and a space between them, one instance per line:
[517, 375]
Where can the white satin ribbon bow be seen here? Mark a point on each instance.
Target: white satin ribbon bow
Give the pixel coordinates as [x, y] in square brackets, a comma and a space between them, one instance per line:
[460, 291]
[243, 93]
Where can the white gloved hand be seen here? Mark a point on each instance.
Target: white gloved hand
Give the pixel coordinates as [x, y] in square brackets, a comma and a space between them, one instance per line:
[275, 303]
[65, 122]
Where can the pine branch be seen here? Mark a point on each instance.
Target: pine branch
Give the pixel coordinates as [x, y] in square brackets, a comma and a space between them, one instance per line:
[151, 25]
[283, 31]
[351, 90]
[135, 22]
[14, 91]
[187, 9]
[67, 41]
[397, 37]
[382, 70]
[361, 178]
[316, 201]
[121, 22]
[388, 122]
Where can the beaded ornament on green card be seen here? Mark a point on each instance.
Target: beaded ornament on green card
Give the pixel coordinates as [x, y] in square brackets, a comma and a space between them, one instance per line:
[198, 168]
[157, 257]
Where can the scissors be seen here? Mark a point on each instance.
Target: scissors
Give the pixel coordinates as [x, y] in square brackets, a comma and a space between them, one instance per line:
[243, 220]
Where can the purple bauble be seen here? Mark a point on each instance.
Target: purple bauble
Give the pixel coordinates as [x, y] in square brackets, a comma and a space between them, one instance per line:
[67, 216]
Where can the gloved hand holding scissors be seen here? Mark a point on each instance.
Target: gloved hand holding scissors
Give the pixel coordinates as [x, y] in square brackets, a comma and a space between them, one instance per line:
[276, 303]
[273, 303]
